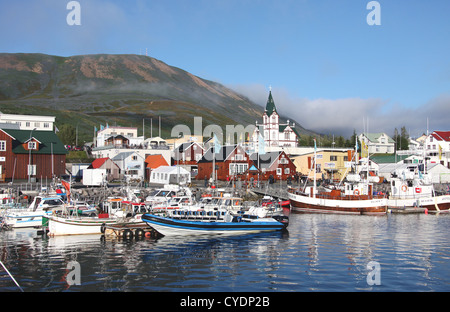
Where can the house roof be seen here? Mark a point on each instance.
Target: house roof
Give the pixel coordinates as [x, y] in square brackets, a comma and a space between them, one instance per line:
[155, 161]
[123, 155]
[373, 137]
[48, 141]
[265, 160]
[97, 163]
[221, 156]
[441, 135]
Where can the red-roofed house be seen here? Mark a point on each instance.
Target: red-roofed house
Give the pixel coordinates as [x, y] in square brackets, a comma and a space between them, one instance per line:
[152, 162]
[437, 147]
[112, 169]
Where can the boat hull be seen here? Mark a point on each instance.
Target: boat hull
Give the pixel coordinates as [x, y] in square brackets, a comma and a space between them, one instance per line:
[433, 204]
[304, 203]
[25, 220]
[170, 226]
[74, 226]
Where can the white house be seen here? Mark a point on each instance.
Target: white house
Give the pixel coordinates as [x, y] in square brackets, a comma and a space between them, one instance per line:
[377, 143]
[27, 122]
[437, 148]
[170, 175]
[131, 164]
[124, 135]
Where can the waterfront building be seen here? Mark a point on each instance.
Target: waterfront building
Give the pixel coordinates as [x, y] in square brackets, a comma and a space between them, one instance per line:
[332, 163]
[153, 162]
[437, 148]
[30, 155]
[275, 164]
[230, 161]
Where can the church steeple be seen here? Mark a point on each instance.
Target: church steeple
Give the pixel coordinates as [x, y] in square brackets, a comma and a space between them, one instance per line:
[270, 106]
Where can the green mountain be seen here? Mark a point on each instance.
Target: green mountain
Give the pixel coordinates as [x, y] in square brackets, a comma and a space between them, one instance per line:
[89, 90]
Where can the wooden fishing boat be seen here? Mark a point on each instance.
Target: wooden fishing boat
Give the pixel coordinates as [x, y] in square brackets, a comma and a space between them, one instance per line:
[353, 199]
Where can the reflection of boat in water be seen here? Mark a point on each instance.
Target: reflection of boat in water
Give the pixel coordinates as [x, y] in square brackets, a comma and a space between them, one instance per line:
[184, 222]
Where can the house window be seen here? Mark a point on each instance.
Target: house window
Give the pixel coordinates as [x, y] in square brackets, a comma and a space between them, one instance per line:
[31, 169]
[37, 124]
[333, 158]
[239, 157]
[238, 168]
[27, 124]
[134, 157]
[2, 146]
[46, 125]
[279, 171]
[286, 170]
[32, 145]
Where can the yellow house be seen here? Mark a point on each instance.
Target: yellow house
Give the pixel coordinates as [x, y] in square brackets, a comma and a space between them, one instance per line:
[331, 163]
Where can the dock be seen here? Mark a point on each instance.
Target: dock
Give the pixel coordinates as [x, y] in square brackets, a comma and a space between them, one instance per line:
[129, 230]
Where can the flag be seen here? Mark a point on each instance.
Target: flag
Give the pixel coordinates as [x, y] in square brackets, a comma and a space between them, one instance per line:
[217, 146]
[261, 145]
[67, 187]
[364, 149]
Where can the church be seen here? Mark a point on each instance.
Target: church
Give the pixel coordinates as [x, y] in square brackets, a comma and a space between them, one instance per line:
[273, 134]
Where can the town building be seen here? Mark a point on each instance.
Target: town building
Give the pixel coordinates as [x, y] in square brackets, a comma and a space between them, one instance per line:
[31, 155]
[26, 122]
[376, 143]
[153, 162]
[332, 163]
[112, 169]
[131, 165]
[272, 133]
[115, 136]
[187, 155]
[437, 148]
[230, 161]
[275, 164]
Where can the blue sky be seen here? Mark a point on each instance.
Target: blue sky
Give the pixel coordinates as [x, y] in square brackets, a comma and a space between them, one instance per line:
[329, 70]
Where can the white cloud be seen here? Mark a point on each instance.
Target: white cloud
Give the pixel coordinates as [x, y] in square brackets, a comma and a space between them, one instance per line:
[342, 116]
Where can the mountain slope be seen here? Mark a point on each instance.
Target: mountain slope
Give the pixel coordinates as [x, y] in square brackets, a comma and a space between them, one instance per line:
[88, 90]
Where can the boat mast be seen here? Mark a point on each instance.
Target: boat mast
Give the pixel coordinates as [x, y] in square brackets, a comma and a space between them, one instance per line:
[315, 168]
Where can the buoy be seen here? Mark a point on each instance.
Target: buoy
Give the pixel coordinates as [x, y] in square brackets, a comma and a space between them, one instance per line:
[426, 210]
[148, 234]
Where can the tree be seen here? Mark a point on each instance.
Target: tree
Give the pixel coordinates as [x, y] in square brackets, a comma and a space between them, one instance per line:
[67, 134]
[401, 139]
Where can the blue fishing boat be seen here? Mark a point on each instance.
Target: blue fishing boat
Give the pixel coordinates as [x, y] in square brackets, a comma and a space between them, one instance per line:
[203, 222]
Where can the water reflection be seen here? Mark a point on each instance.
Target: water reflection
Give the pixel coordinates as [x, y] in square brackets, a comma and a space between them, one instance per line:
[319, 252]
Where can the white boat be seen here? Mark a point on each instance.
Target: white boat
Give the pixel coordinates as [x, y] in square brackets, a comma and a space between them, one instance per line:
[412, 189]
[115, 210]
[32, 216]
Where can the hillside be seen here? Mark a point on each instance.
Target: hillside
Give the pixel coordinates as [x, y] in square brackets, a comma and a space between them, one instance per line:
[90, 90]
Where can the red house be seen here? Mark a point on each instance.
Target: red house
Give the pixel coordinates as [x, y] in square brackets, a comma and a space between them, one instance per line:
[277, 164]
[230, 162]
[26, 154]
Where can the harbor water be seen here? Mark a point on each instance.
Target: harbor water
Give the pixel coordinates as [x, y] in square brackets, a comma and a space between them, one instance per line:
[317, 253]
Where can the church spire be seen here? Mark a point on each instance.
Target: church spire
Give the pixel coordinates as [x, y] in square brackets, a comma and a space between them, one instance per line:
[270, 106]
